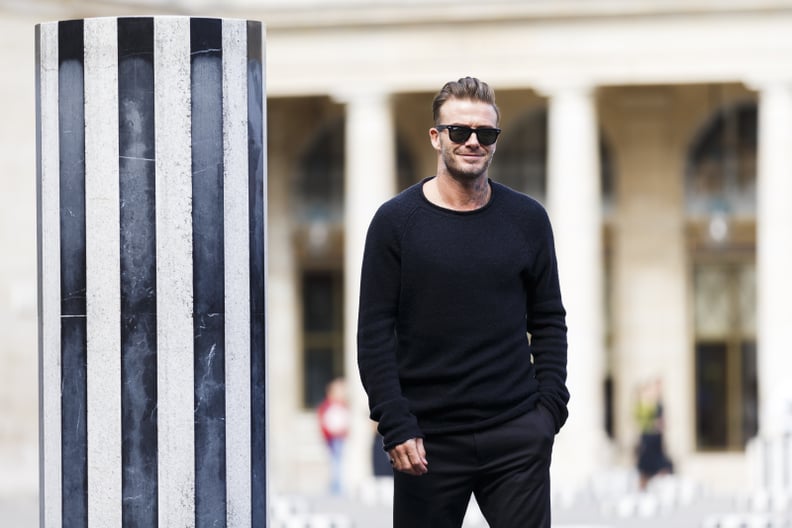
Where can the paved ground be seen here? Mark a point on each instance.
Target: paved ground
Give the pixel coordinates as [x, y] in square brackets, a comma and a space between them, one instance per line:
[700, 515]
[24, 514]
[673, 503]
[21, 512]
[670, 504]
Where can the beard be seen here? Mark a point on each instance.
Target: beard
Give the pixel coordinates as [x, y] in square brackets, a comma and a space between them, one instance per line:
[461, 170]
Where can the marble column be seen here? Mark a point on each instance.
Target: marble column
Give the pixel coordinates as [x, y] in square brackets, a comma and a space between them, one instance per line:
[151, 215]
[575, 208]
[370, 157]
[774, 258]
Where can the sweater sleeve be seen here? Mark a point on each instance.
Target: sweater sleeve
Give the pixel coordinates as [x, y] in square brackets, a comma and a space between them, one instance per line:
[547, 326]
[377, 340]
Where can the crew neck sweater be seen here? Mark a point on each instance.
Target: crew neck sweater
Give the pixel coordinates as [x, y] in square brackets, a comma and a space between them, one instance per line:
[461, 325]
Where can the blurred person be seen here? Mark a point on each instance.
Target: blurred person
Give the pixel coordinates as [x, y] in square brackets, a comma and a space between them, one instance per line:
[462, 339]
[380, 465]
[333, 414]
[651, 457]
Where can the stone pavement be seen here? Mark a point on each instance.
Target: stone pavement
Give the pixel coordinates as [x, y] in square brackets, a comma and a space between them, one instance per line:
[611, 502]
[339, 513]
[19, 512]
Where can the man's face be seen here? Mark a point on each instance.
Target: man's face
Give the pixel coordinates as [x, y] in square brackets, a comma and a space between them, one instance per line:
[470, 159]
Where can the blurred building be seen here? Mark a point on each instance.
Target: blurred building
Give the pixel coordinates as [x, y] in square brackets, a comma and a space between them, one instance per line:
[657, 132]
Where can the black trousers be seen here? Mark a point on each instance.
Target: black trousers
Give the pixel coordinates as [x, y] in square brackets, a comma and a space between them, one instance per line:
[506, 467]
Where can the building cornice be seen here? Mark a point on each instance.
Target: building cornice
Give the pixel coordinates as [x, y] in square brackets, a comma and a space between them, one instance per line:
[411, 46]
[305, 14]
[296, 14]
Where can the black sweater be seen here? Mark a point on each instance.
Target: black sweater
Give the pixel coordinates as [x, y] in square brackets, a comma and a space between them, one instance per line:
[448, 300]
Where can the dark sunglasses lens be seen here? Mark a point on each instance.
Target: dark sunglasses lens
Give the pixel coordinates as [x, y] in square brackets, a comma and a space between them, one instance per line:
[459, 134]
[487, 136]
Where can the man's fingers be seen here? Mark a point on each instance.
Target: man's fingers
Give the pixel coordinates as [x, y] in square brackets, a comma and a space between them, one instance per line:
[401, 456]
[409, 457]
[417, 462]
[421, 451]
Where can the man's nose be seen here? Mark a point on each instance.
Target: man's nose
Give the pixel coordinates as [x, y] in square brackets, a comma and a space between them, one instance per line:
[472, 139]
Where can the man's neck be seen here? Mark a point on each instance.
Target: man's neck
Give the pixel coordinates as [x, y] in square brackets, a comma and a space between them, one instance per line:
[451, 193]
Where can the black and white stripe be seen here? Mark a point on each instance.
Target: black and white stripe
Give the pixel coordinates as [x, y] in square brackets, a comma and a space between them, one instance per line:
[151, 191]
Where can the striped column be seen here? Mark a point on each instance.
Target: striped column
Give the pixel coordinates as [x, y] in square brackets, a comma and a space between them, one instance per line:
[151, 209]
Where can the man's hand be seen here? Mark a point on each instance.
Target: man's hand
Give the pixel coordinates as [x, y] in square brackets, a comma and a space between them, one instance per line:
[410, 457]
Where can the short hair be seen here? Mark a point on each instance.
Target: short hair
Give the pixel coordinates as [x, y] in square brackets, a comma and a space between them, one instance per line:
[465, 88]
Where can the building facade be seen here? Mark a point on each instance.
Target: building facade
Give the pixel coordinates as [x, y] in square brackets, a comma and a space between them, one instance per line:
[657, 133]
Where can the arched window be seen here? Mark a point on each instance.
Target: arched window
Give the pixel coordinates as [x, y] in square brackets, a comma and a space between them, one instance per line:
[318, 211]
[721, 172]
[521, 159]
[720, 200]
[320, 179]
[406, 174]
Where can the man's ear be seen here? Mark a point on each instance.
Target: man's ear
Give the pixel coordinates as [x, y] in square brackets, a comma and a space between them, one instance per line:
[434, 137]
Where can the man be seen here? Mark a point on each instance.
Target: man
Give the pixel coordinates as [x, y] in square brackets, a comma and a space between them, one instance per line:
[462, 334]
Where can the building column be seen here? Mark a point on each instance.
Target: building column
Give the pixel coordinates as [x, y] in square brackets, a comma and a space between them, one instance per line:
[151, 181]
[774, 258]
[575, 208]
[370, 180]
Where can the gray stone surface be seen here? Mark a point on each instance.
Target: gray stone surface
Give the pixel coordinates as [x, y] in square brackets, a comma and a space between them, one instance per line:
[611, 501]
[705, 512]
[19, 512]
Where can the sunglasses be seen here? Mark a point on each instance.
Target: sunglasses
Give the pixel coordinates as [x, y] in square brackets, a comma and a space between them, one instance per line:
[459, 134]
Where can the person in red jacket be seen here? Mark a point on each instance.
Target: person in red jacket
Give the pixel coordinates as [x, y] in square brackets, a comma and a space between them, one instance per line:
[333, 416]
